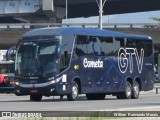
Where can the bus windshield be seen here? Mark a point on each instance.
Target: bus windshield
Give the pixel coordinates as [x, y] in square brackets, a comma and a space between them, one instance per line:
[37, 58]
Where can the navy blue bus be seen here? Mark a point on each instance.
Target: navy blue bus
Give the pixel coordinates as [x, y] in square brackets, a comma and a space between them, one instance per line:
[73, 61]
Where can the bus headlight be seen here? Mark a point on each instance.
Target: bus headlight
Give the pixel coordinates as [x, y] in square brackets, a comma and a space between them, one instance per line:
[16, 83]
[53, 82]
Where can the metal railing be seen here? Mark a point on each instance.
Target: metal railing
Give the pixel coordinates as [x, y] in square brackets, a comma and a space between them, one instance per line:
[105, 25]
[157, 86]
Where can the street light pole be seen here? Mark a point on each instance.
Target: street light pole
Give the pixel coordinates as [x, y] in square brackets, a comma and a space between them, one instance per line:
[66, 9]
[100, 14]
[101, 5]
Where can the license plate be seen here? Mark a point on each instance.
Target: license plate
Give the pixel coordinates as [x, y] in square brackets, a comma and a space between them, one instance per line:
[33, 91]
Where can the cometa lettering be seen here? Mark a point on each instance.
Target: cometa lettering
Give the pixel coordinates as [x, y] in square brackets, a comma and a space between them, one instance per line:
[92, 64]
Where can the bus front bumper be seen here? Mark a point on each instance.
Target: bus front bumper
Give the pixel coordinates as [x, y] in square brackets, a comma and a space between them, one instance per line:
[48, 88]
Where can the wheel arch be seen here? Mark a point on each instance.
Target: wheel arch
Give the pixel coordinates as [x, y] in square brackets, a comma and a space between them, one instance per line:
[129, 79]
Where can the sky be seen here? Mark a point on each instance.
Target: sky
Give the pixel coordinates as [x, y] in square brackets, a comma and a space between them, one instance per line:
[140, 17]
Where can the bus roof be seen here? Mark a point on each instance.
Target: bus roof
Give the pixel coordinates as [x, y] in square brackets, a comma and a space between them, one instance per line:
[55, 31]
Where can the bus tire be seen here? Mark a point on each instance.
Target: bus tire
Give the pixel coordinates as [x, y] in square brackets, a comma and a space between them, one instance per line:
[95, 96]
[74, 92]
[135, 90]
[127, 93]
[35, 97]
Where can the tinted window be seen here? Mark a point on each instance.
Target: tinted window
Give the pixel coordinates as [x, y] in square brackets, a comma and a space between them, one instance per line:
[88, 45]
[94, 46]
[146, 45]
[98, 46]
[148, 48]
[110, 46]
[140, 45]
[81, 45]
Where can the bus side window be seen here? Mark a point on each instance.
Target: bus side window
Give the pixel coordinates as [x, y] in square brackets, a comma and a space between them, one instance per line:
[140, 46]
[119, 43]
[80, 47]
[106, 43]
[148, 52]
[110, 46]
[96, 46]
[131, 43]
[122, 42]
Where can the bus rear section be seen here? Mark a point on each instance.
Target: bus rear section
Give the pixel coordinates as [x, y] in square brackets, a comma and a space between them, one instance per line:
[73, 61]
[120, 66]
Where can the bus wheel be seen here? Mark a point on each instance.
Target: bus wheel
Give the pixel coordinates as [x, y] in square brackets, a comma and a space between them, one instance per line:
[74, 92]
[95, 96]
[135, 90]
[35, 97]
[128, 91]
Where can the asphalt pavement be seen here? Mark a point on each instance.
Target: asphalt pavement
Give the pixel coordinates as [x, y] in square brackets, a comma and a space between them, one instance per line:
[148, 101]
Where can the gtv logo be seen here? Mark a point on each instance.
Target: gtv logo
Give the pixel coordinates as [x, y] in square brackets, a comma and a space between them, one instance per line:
[125, 59]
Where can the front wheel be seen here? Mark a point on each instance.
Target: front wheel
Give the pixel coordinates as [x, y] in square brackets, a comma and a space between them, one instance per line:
[35, 97]
[74, 92]
[135, 90]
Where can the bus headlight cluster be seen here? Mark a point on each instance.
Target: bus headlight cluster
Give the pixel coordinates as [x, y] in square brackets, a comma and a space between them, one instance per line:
[53, 82]
[16, 83]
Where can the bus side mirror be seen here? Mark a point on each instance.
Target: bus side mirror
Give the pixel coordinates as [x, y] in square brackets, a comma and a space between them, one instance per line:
[11, 52]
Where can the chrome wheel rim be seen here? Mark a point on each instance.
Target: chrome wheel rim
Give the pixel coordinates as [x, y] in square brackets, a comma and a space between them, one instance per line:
[136, 90]
[128, 91]
[74, 91]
